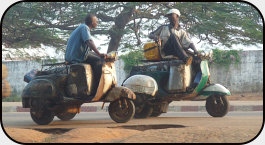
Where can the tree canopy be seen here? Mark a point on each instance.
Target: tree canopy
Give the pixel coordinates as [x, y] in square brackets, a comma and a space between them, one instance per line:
[127, 24]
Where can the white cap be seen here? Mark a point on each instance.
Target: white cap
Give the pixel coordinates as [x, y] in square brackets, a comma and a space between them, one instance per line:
[176, 11]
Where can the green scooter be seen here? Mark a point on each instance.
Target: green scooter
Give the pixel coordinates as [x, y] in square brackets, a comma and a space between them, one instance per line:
[157, 84]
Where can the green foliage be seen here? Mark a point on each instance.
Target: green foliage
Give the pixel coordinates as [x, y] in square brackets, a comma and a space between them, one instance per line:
[131, 59]
[226, 23]
[50, 23]
[23, 27]
[226, 57]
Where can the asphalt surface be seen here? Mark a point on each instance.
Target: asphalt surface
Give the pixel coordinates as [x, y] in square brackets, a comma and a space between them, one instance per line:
[90, 119]
[175, 106]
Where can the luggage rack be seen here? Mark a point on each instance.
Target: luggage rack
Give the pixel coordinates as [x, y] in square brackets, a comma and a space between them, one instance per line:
[61, 67]
[164, 61]
[53, 64]
[151, 65]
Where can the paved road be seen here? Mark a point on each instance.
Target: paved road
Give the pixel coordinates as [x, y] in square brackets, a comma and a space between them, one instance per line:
[90, 119]
[235, 127]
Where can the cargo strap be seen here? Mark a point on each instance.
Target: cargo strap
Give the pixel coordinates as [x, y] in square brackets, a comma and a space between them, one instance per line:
[150, 48]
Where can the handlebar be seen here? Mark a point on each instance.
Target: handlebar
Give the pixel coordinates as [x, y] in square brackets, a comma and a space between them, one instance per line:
[202, 55]
[112, 56]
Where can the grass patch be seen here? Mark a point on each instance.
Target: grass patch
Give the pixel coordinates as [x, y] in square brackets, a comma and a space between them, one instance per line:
[12, 99]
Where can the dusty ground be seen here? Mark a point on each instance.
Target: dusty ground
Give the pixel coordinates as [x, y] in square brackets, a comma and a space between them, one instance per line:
[107, 135]
[26, 135]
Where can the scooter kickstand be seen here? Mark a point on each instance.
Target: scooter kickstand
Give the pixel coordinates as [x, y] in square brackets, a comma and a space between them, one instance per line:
[102, 105]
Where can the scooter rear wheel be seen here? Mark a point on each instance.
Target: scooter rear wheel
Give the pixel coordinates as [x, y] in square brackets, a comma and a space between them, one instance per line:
[156, 114]
[217, 105]
[41, 117]
[145, 111]
[66, 116]
[121, 110]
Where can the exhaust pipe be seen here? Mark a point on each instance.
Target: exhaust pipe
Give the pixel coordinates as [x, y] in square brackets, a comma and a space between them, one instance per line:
[74, 109]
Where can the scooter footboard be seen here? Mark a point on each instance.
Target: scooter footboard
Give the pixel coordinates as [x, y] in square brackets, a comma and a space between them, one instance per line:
[118, 92]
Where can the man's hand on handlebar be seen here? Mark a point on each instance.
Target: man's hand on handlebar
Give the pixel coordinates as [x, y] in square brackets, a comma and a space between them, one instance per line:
[157, 39]
[200, 54]
[103, 55]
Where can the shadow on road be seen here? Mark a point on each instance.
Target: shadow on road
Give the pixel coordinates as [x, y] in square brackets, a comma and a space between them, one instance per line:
[148, 127]
[57, 131]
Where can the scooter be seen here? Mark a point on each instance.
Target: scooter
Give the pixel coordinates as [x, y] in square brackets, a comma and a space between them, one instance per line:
[62, 88]
[158, 83]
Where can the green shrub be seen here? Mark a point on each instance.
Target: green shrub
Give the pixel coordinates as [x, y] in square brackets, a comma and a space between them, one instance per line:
[226, 57]
[12, 99]
[131, 59]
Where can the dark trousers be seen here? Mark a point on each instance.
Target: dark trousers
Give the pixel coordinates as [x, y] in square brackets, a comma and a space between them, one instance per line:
[96, 63]
[174, 47]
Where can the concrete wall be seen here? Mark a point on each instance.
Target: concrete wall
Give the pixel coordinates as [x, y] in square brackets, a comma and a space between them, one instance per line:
[17, 70]
[247, 77]
[121, 75]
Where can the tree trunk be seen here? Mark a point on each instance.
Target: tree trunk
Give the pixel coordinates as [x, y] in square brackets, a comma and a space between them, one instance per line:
[117, 31]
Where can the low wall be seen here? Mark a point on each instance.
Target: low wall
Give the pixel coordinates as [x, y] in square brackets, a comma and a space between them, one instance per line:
[247, 77]
[17, 70]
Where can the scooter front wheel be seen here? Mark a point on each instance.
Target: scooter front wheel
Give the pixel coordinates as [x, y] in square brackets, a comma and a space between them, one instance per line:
[217, 105]
[121, 110]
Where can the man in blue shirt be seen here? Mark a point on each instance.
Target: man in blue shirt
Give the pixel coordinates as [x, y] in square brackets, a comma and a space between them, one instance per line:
[80, 45]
